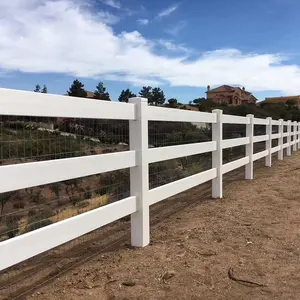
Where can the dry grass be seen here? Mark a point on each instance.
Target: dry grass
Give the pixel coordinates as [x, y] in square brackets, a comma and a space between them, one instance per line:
[72, 211]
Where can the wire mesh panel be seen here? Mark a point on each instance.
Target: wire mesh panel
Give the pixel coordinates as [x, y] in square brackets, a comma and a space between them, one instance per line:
[177, 133]
[233, 131]
[285, 130]
[28, 139]
[275, 130]
[163, 134]
[259, 130]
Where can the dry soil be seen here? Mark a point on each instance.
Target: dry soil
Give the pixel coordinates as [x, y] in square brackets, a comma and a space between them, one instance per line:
[253, 230]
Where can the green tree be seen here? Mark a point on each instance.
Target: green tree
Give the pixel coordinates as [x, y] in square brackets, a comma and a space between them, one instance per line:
[77, 89]
[44, 89]
[157, 97]
[100, 92]
[198, 100]
[291, 104]
[125, 95]
[146, 92]
[37, 88]
[172, 103]
[207, 105]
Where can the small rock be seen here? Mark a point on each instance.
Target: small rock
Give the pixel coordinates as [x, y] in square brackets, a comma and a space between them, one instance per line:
[168, 275]
[128, 283]
[88, 286]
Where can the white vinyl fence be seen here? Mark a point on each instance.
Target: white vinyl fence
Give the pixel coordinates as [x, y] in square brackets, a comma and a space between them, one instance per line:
[138, 158]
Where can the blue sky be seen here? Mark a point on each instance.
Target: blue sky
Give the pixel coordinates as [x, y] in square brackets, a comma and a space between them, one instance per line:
[180, 46]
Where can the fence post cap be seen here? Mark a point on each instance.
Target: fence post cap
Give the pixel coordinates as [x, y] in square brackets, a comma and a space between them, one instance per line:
[220, 111]
[138, 100]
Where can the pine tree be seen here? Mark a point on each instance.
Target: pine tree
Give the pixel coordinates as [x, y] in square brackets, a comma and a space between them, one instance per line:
[125, 95]
[77, 89]
[157, 97]
[146, 92]
[44, 89]
[100, 92]
[172, 102]
[37, 88]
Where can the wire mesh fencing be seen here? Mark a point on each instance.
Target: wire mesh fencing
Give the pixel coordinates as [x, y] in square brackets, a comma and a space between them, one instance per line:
[162, 134]
[233, 131]
[32, 139]
[28, 139]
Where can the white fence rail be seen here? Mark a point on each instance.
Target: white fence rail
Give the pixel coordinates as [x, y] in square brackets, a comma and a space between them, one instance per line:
[138, 158]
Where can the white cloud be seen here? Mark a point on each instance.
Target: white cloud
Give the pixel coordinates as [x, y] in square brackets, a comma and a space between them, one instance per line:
[166, 12]
[173, 47]
[112, 3]
[143, 21]
[175, 29]
[107, 17]
[64, 37]
[134, 80]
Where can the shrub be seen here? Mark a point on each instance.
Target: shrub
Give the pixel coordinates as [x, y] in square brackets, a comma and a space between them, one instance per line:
[56, 187]
[18, 205]
[38, 224]
[107, 150]
[82, 204]
[32, 212]
[37, 197]
[75, 199]
[46, 212]
[88, 195]
[12, 225]
[40, 213]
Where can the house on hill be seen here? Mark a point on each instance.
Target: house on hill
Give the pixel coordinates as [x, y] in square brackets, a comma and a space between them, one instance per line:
[230, 95]
[283, 99]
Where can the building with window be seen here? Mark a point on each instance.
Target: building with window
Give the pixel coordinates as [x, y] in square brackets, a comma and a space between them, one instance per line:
[230, 95]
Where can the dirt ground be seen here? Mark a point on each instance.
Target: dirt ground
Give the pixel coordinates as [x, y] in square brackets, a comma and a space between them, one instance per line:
[253, 230]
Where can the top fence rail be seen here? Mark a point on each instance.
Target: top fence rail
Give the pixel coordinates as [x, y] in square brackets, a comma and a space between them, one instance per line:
[170, 114]
[22, 103]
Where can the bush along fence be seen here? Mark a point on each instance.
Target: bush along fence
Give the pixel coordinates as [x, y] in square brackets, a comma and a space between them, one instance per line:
[138, 158]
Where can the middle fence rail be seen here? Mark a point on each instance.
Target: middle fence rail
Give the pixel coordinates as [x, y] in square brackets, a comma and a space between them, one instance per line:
[137, 158]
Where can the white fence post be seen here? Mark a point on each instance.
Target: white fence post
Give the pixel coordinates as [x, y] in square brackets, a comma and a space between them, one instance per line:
[139, 175]
[217, 156]
[295, 136]
[289, 127]
[280, 140]
[268, 160]
[249, 147]
[298, 136]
